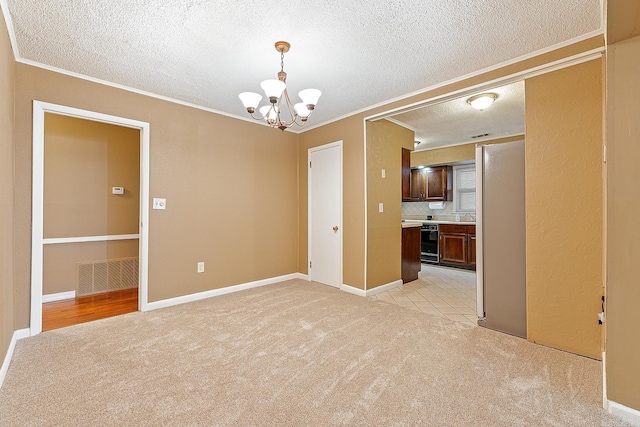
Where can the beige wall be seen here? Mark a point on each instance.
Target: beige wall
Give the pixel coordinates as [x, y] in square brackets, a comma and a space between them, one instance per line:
[385, 141]
[7, 77]
[623, 234]
[231, 189]
[59, 261]
[564, 194]
[623, 20]
[351, 131]
[457, 153]
[83, 160]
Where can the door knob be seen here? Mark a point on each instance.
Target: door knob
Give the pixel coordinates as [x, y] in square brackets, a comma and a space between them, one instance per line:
[335, 228]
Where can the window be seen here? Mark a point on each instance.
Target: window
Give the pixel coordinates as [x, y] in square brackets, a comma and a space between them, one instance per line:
[464, 188]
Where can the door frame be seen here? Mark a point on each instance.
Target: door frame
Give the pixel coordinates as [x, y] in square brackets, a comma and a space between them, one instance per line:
[310, 151]
[37, 201]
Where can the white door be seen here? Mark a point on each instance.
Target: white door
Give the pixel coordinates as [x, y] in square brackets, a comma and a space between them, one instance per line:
[325, 214]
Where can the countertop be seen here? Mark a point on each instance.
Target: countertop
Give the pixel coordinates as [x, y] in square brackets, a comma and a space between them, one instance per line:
[407, 224]
[435, 221]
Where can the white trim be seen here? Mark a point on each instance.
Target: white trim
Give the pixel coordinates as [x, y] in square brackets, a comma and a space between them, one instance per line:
[479, 152]
[465, 77]
[352, 290]
[481, 141]
[222, 291]
[84, 239]
[511, 78]
[17, 335]
[58, 296]
[309, 217]
[37, 240]
[398, 122]
[366, 201]
[605, 401]
[625, 413]
[507, 63]
[370, 292]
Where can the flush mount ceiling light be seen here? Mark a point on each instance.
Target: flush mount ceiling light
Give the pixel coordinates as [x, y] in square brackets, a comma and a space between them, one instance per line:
[276, 91]
[482, 101]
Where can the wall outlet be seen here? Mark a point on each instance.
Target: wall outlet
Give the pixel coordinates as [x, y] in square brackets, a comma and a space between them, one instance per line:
[201, 267]
[380, 207]
[384, 173]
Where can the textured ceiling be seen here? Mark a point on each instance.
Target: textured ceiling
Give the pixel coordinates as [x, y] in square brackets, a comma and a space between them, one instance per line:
[456, 122]
[358, 53]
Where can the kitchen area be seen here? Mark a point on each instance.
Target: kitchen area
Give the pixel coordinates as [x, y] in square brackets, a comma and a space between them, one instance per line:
[462, 212]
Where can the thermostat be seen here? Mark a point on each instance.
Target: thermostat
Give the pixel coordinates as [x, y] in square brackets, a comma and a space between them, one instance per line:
[117, 190]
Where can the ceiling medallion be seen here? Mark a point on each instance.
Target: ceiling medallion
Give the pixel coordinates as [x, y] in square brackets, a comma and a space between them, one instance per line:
[276, 91]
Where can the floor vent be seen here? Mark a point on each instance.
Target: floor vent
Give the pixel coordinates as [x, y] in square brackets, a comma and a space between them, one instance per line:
[94, 277]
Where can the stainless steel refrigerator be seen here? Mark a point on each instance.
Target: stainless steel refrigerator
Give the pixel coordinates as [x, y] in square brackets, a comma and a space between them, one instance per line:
[500, 237]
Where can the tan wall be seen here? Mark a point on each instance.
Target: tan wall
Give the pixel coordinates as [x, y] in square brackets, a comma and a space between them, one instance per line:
[83, 160]
[623, 234]
[385, 141]
[623, 20]
[231, 189]
[457, 153]
[59, 261]
[351, 131]
[7, 78]
[564, 194]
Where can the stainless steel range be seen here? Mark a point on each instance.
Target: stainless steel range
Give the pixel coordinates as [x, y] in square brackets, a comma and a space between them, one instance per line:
[429, 245]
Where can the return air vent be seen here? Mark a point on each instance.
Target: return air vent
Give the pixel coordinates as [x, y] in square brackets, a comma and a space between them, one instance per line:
[95, 277]
[482, 135]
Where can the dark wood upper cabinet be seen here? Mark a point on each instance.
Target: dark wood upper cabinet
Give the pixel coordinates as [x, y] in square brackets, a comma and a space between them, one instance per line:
[417, 192]
[438, 184]
[432, 184]
[406, 175]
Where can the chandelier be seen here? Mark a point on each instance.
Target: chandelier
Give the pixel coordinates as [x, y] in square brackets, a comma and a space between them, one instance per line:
[276, 91]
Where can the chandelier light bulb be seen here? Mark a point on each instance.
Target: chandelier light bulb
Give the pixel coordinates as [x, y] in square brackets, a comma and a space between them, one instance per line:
[250, 100]
[273, 89]
[310, 97]
[302, 110]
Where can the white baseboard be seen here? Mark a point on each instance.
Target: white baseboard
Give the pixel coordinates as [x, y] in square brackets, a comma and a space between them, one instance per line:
[17, 335]
[370, 292]
[58, 297]
[222, 291]
[625, 413]
[353, 290]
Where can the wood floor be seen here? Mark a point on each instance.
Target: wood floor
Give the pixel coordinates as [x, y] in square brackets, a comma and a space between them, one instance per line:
[59, 314]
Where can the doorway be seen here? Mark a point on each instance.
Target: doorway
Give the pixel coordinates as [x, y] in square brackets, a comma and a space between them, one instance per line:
[115, 255]
[325, 214]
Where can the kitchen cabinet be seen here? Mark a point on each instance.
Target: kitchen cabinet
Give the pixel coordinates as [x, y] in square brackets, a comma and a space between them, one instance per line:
[458, 245]
[432, 184]
[410, 253]
[406, 175]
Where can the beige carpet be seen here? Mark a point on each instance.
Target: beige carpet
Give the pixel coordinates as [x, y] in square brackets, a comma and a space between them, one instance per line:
[295, 353]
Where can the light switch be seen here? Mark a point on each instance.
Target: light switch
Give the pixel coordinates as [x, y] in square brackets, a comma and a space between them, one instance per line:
[201, 267]
[380, 207]
[384, 173]
[159, 203]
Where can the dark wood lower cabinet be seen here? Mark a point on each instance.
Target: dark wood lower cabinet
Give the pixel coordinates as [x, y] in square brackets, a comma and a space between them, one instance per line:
[410, 257]
[458, 246]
